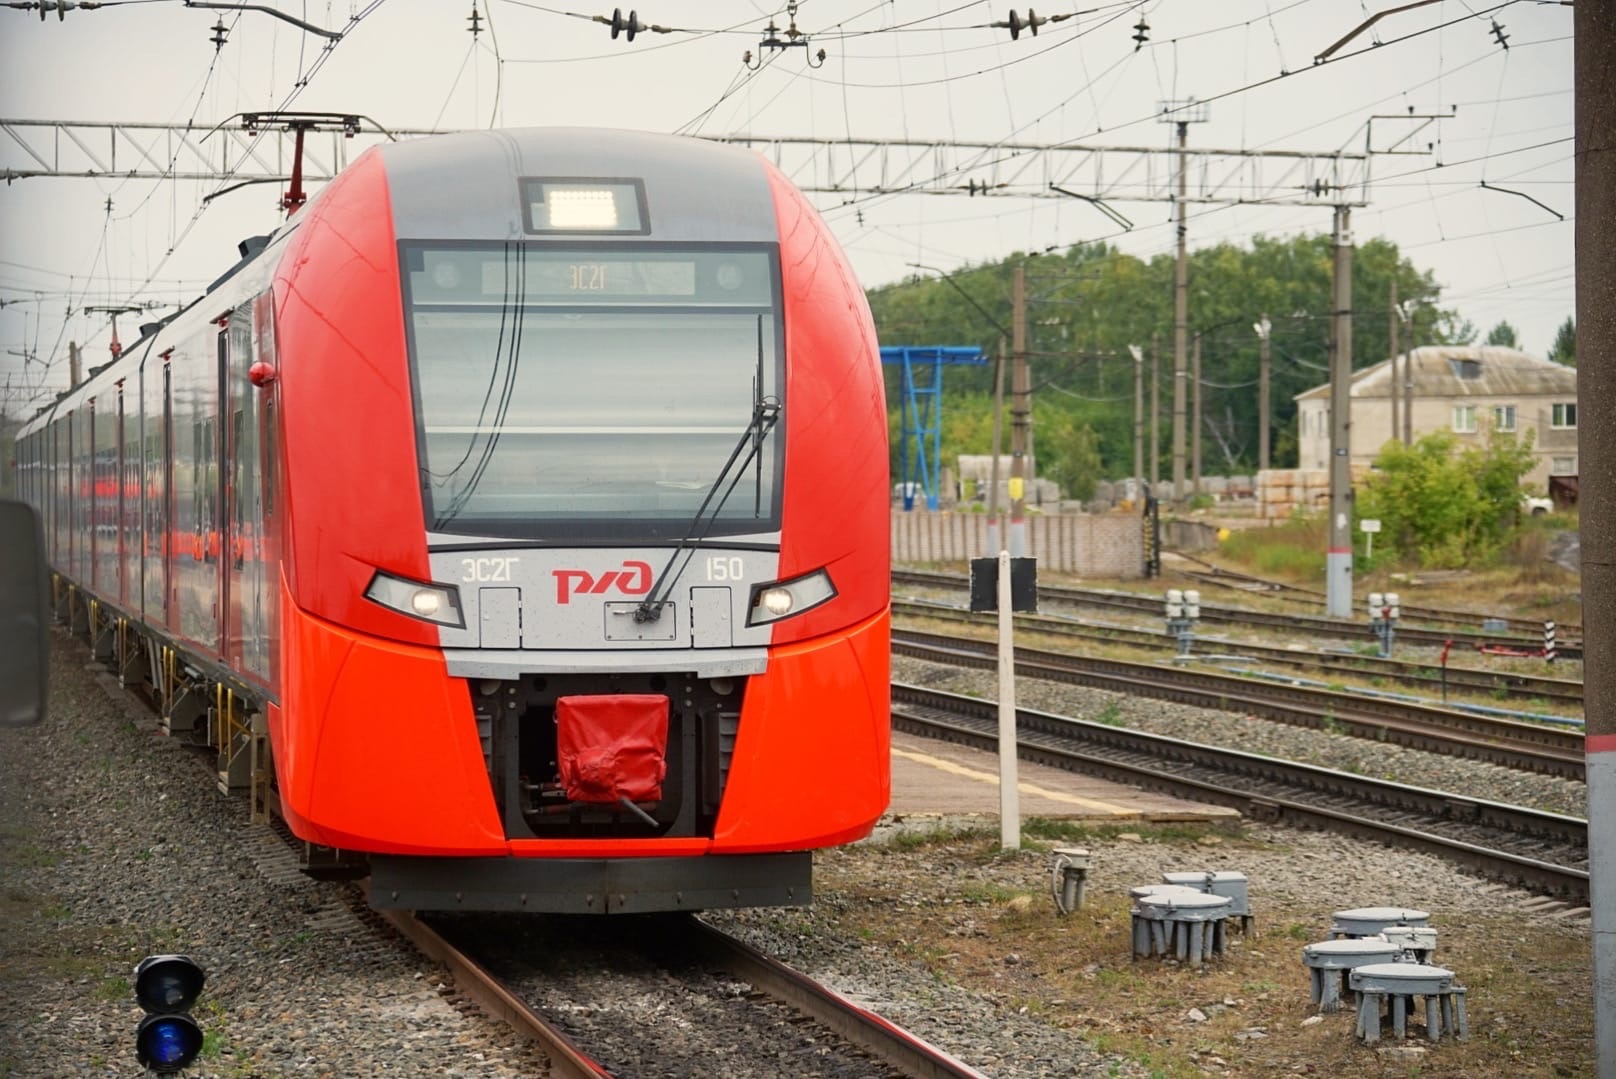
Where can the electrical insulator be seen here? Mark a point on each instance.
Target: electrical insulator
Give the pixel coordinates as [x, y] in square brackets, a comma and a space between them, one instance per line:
[1499, 35]
[1141, 34]
[627, 27]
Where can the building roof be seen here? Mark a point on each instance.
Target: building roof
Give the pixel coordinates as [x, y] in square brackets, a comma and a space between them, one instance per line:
[1445, 371]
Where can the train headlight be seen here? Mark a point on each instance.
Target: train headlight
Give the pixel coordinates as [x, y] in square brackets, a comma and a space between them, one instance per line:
[166, 986]
[439, 603]
[783, 599]
[555, 205]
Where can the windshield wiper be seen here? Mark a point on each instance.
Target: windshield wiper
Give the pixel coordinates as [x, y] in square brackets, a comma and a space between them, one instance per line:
[765, 413]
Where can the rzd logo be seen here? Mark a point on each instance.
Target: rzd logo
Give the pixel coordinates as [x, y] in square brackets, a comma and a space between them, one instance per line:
[634, 579]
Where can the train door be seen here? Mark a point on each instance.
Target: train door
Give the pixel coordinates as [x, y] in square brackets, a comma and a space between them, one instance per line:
[245, 599]
[196, 483]
[106, 413]
[129, 487]
[157, 454]
[256, 464]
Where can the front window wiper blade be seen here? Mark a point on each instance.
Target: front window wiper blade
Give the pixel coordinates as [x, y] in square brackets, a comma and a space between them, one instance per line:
[764, 416]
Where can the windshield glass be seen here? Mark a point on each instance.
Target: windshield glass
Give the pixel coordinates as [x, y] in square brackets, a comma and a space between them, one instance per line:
[570, 393]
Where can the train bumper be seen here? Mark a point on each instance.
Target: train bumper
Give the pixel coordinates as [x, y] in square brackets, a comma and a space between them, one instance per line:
[591, 885]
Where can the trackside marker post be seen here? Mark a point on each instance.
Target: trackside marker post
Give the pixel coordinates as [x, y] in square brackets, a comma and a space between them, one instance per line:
[1009, 800]
[1007, 585]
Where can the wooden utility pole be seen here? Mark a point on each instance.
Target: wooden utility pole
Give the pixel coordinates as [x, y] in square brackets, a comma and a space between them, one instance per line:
[1195, 428]
[1338, 556]
[1391, 329]
[1020, 415]
[1180, 319]
[1182, 114]
[994, 542]
[1155, 412]
[1138, 420]
[1408, 383]
[1264, 330]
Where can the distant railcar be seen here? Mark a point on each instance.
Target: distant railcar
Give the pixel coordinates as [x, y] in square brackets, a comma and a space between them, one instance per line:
[513, 522]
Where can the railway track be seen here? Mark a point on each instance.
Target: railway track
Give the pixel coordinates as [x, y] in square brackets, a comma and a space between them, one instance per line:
[1424, 677]
[1546, 852]
[1218, 577]
[1527, 746]
[665, 994]
[1314, 626]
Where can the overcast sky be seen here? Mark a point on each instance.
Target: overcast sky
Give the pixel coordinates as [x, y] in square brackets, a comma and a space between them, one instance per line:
[902, 69]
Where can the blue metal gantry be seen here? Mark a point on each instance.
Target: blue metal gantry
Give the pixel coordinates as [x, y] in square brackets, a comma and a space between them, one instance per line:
[921, 400]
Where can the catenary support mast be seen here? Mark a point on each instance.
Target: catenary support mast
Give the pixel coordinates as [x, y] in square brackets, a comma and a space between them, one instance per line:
[1595, 89]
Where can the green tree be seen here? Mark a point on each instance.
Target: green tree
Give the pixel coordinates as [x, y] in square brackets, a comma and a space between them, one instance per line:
[1445, 507]
[1564, 349]
[1086, 306]
[1503, 334]
[1068, 452]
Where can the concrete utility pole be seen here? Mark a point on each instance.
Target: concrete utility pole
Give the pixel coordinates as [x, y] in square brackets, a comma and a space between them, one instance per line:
[75, 367]
[1155, 412]
[1338, 557]
[1195, 428]
[1391, 330]
[1020, 415]
[1594, 82]
[1264, 330]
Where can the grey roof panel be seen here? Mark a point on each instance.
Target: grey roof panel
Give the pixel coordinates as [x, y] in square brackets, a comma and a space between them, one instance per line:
[1504, 372]
[465, 186]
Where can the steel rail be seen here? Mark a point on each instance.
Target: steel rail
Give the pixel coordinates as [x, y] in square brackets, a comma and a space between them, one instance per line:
[1524, 746]
[471, 978]
[1272, 789]
[889, 1043]
[1523, 686]
[1246, 582]
[904, 1052]
[1314, 625]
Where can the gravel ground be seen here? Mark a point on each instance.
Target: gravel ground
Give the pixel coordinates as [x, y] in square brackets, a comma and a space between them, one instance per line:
[115, 844]
[1360, 756]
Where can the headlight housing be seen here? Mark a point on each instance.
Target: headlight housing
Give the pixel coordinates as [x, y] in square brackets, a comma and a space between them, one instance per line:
[785, 599]
[427, 601]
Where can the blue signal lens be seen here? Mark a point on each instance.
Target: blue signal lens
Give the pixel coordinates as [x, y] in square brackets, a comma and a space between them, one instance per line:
[167, 1043]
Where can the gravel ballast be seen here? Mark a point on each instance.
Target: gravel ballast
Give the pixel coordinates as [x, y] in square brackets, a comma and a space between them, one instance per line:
[117, 844]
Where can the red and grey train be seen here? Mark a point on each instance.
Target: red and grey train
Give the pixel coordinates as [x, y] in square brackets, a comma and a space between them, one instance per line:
[512, 521]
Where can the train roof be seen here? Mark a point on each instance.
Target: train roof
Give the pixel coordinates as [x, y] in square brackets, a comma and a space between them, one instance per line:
[466, 186]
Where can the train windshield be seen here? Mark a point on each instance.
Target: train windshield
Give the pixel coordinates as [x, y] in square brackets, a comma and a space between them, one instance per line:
[595, 392]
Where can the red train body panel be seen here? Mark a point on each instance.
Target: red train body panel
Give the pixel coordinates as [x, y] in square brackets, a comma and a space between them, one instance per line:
[500, 420]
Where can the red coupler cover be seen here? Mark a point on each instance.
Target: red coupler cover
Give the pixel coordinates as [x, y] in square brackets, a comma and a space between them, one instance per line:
[612, 746]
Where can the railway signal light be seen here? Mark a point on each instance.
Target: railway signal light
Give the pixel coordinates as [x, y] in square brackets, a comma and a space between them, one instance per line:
[1384, 611]
[167, 1038]
[1183, 609]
